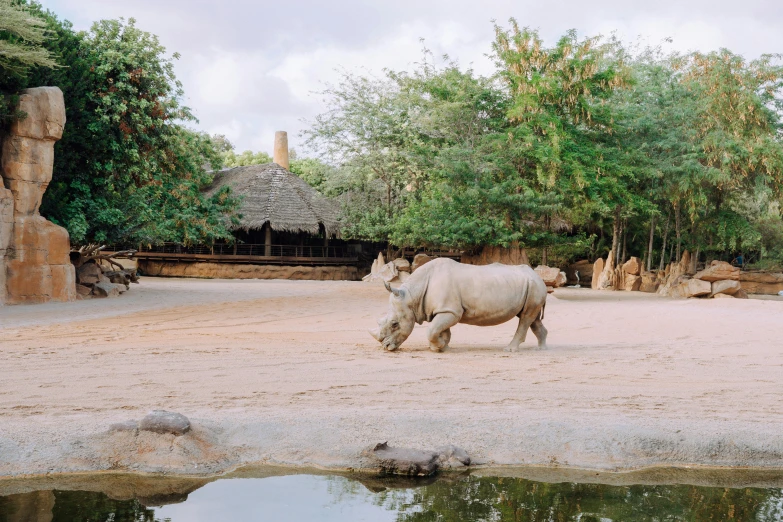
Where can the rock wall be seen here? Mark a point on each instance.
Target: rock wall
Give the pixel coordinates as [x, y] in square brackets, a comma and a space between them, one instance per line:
[766, 283]
[513, 255]
[34, 253]
[241, 271]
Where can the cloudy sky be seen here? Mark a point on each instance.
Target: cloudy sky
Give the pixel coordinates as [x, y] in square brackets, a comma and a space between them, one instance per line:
[250, 67]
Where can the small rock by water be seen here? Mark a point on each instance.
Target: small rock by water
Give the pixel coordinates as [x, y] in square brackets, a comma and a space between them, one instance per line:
[161, 421]
[416, 463]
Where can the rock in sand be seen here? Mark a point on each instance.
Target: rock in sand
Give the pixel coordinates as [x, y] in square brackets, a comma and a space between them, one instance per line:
[404, 461]
[161, 421]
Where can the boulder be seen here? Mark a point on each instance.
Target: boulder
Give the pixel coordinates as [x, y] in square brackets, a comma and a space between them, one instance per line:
[404, 461]
[402, 264]
[388, 272]
[607, 279]
[695, 288]
[83, 291]
[598, 267]
[89, 274]
[673, 277]
[552, 276]
[119, 277]
[633, 266]
[719, 271]
[650, 282]
[722, 296]
[377, 265]
[161, 421]
[106, 290]
[451, 456]
[725, 287]
[685, 263]
[632, 283]
[420, 259]
[741, 294]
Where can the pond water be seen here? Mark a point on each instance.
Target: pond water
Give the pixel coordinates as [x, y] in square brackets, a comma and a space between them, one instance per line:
[338, 498]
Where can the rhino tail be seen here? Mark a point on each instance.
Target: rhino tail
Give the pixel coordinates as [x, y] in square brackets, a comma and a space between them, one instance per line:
[541, 315]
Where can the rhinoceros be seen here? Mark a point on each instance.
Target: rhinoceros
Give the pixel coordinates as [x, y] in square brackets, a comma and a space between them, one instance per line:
[445, 292]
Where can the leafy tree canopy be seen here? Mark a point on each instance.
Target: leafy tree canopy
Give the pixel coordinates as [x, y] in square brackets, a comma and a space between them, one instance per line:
[127, 168]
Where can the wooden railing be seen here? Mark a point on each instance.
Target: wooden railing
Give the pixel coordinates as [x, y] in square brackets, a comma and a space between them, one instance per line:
[247, 253]
[245, 249]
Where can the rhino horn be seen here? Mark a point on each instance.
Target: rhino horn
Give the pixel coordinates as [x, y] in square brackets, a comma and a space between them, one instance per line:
[376, 333]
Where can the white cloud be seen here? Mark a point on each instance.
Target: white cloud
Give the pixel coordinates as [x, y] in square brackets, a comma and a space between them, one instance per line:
[249, 68]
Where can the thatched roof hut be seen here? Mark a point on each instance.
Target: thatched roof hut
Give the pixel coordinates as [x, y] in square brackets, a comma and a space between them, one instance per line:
[272, 194]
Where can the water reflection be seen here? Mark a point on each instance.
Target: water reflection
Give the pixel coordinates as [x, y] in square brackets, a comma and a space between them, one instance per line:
[315, 497]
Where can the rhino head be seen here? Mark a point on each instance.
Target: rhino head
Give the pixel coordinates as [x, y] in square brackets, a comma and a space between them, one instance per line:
[398, 322]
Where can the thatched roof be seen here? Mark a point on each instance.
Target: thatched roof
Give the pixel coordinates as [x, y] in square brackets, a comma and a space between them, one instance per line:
[272, 194]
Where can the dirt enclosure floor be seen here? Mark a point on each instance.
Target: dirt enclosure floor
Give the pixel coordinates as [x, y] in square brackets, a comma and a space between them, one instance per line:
[284, 372]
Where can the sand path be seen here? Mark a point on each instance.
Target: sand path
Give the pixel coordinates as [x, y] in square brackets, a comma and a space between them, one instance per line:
[285, 372]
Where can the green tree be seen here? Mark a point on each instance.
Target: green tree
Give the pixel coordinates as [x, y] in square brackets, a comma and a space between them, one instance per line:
[248, 157]
[22, 35]
[23, 40]
[126, 169]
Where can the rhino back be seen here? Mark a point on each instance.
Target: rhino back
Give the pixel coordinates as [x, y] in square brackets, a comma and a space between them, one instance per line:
[483, 295]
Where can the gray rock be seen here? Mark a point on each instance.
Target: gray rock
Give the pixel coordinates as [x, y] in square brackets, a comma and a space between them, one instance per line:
[105, 290]
[420, 259]
[88, 274]
[450, 456]
[119, 277]
[160, 421]
[404, 461]
[130, 425]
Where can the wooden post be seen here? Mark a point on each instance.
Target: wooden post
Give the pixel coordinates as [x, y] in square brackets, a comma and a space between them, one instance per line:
[267, 239]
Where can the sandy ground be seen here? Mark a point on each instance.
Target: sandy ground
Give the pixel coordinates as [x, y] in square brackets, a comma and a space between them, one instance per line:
[285, 373]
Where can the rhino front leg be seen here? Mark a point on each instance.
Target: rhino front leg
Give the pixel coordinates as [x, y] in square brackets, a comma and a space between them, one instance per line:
[440, 333]
[521, 333]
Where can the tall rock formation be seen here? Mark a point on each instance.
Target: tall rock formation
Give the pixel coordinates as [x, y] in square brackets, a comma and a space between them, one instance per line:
[34, 253]
[513, 255]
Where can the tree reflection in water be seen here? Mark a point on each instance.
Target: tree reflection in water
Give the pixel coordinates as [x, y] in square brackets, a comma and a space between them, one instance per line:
[509, 499]
[447, 499]
[81, 506]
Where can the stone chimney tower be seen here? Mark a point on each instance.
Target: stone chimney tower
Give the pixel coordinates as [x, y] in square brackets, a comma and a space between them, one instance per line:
[281, 149]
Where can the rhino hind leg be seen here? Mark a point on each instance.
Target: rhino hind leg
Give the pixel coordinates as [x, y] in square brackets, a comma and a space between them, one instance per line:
[519, 336]
[540, 332]
[440, 331]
